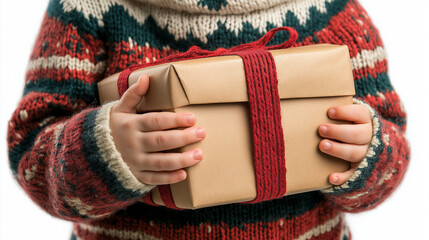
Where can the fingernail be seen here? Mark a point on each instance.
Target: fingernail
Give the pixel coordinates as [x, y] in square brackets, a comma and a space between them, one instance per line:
[138, 80]
[182, 176]
[326, 145]
[323, 129]
[198, 155]
[331, 112]
[335, 179]
[199, 132]
[190, 118]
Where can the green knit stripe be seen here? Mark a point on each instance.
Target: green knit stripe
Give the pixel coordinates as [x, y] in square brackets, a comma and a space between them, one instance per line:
[234, 215]
[73, 88]
[370, 85]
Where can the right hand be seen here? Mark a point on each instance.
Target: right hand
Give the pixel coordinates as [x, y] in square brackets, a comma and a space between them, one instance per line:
[140, 138]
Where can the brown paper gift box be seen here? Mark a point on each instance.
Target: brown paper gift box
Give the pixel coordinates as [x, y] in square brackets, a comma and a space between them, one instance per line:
[311, 79]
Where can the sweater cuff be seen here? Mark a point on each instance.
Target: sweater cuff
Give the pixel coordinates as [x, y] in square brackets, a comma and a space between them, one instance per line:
[365, 167]
[111, 155]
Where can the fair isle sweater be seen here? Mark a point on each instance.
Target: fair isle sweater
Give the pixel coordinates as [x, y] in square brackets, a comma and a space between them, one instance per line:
[63, 156]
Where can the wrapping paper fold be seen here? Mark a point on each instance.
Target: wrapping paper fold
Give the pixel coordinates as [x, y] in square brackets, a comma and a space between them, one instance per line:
[311, 79]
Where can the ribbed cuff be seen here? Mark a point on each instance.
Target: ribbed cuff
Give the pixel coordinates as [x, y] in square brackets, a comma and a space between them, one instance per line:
[111, 155]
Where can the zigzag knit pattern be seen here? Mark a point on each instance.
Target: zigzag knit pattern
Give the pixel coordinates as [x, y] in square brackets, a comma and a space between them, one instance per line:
[63, 156]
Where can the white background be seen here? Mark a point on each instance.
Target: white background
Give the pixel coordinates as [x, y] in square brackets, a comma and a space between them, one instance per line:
[404, 26]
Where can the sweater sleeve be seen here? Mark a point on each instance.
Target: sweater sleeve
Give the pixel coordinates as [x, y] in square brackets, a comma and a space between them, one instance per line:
[383, 167]
[386, 161]
[60, 148]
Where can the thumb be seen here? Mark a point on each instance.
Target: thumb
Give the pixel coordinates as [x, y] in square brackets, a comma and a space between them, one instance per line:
[133, 95]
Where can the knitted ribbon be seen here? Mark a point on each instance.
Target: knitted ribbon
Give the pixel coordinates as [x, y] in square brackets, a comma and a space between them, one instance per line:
[195, 52]
[264, 102]
[267, 131]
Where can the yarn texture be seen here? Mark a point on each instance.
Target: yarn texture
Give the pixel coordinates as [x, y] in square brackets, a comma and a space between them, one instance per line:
[63, 156]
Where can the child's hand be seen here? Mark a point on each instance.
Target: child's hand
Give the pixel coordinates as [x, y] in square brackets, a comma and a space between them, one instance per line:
[346, 141]
[140, 138]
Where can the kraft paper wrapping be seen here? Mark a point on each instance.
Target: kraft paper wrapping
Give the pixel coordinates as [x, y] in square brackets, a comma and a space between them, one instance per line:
[311, 80]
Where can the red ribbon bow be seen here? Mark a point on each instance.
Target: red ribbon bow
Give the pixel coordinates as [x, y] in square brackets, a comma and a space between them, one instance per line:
[196, 52]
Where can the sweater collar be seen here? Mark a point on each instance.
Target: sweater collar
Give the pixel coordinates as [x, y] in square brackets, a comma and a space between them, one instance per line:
[217, 6]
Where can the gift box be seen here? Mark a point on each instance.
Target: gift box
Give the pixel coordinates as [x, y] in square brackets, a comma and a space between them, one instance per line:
[311, 79]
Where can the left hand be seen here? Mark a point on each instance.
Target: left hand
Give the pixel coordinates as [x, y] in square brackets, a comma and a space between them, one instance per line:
[349, 142]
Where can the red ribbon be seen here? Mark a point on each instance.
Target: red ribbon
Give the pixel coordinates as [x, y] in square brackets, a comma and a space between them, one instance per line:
[267, 132]
[195, 52]
[264, 102]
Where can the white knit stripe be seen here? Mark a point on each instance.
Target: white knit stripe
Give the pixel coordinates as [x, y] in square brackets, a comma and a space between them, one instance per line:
[62, 62]
[82, 208]
[97, 9]
[368, 58]
[321, 229]
[109, 153]
[181, 24]
[358, 195]
[120, 234]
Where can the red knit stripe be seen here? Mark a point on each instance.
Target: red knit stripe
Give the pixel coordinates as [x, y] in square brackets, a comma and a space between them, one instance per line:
[77, 45]
[124, 54]
[379, 67]
[388, 104]
[281, 228]
[32, 103]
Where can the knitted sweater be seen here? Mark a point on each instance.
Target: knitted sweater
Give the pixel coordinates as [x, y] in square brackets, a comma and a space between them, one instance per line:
[63, 156]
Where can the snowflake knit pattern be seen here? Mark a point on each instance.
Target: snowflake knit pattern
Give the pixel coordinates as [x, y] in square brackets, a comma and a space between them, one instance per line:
[63, 156]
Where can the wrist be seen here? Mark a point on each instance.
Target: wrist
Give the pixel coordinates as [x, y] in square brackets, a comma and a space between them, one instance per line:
[112, 156]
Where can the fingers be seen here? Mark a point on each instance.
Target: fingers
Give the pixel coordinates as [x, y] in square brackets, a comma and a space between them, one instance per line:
[354, 138]
[170, 161]
[157, 121]
[341, 178]
[349, 133]
[165, 140]
[348, 152]
[161, 178]
[167, 168]
[133, 95]
[353, 113]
